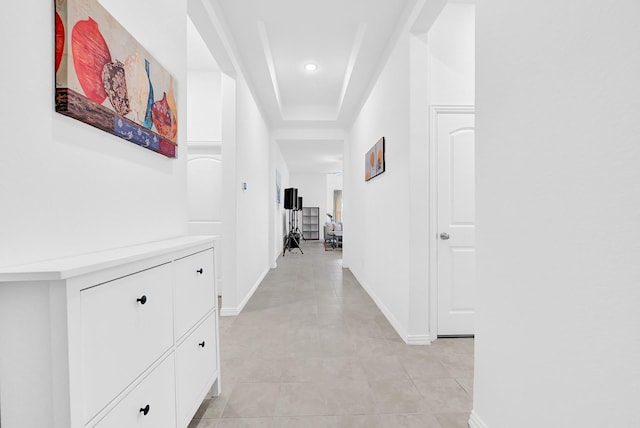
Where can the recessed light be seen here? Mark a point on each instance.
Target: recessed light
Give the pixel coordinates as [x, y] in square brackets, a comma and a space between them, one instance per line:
[310, 67]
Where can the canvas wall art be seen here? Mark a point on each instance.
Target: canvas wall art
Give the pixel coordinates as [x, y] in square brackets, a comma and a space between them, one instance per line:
[374, 160]
[278, 186]
[106, 79]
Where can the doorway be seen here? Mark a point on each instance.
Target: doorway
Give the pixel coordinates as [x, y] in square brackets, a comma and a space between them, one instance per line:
[453, 263]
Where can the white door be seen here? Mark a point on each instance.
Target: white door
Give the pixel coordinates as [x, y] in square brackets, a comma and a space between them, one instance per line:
[456, 258]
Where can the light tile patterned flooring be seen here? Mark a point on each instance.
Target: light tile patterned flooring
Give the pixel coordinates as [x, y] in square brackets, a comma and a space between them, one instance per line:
[312, 350]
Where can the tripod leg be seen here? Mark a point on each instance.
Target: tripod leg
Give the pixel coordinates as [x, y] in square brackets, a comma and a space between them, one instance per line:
[297, 243]
[287, 239]
[285, 246]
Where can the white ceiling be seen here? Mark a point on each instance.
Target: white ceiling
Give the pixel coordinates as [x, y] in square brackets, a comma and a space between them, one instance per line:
[312, 156]
[272, 40]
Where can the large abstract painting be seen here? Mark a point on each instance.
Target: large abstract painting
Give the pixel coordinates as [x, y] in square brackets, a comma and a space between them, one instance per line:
[105, 78]
[374, 163]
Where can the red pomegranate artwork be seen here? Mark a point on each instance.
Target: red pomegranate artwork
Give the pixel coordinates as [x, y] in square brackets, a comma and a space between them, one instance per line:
[106, 78]
[90, 54]
[59, 40]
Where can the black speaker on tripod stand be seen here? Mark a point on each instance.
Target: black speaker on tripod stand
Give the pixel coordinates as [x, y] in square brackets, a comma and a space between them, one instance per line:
[291, 201]
[290, 198]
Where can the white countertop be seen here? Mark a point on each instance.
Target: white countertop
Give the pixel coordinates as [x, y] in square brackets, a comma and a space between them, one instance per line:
[68, 267]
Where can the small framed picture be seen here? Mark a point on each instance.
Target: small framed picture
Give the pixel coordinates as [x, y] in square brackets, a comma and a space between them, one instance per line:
[374, 160]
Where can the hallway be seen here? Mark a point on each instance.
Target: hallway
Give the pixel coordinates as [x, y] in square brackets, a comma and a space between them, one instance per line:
[311, 349]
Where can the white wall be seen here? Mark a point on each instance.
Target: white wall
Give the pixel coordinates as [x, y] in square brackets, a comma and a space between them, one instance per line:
[67, 188]
[375, 258]
[418, 330]
[252, 215]
[246, 154]
[278, 218]
[558, 101]
[451, 42]
[204, 106]
[229, 262]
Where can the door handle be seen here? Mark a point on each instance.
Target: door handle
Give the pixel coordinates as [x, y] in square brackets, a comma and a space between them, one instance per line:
[444, 236]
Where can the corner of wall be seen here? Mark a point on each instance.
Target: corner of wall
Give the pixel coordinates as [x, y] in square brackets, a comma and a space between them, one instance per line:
[475, 421]
[397, 325]
[236, 310]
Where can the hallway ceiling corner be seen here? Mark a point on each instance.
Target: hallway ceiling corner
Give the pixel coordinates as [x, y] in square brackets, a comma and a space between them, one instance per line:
[347, 40]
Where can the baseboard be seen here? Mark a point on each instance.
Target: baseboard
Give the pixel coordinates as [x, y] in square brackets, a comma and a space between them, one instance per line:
[253, 290]
[234, 311]
[229, 312]
[385, 311]
[475, 421]
[418, 339]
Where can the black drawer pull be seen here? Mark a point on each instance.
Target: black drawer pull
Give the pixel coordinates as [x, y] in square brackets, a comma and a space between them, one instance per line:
[144, 410]
[201, 344]
[142, 301]
[200, 271]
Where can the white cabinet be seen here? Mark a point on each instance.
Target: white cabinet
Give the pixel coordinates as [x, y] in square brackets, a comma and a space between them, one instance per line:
[122, 338]
[196, 365]
[127, 324]
[150, 405]
[194, 297]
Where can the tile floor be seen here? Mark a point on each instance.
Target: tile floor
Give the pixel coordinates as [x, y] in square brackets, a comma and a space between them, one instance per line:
[311, 349]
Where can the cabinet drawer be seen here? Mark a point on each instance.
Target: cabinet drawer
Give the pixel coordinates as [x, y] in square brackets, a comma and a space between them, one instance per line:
[195, 289]
[156, 391]
[127, 324]
[196, 366]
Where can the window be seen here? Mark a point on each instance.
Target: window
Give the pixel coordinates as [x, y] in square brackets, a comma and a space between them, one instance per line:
[337, 205]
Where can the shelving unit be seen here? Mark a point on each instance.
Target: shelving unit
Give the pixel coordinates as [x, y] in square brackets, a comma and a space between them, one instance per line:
[311, 222]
